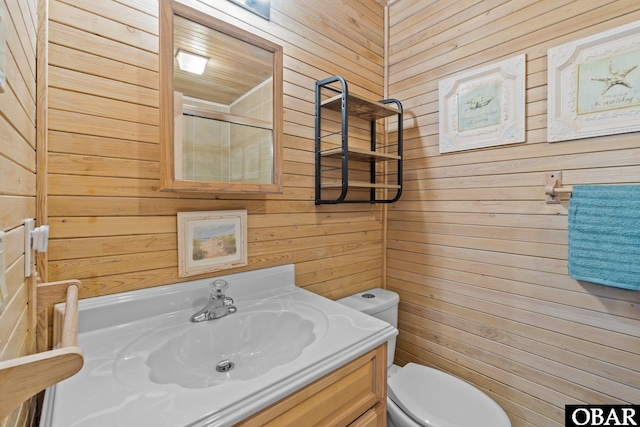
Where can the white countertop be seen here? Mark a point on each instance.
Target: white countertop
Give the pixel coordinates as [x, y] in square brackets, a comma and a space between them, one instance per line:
[104, 393]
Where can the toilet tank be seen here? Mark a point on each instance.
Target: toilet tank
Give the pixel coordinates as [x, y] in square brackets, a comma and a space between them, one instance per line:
[381, 304]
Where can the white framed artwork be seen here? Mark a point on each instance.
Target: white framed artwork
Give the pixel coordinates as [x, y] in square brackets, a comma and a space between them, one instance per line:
[594, 85]
[483, 107]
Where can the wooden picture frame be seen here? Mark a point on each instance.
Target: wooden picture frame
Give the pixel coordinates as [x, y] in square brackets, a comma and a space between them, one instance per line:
[594, 85]
[180, 22]
[483, 107]
[211, 241]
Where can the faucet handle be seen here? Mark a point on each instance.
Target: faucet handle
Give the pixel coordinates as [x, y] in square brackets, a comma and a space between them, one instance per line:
[219, 287]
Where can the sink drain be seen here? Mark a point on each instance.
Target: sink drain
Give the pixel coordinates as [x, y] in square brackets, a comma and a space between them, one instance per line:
[224, 365]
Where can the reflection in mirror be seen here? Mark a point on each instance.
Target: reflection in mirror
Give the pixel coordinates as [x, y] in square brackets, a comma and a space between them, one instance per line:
[259, 7]
[224, 129]
[227, 113]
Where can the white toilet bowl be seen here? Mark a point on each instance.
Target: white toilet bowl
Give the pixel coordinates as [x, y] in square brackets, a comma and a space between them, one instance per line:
[419, 396]
[423, 396]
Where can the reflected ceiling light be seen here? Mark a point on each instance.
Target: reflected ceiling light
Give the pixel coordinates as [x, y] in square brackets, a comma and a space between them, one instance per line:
[191, 62]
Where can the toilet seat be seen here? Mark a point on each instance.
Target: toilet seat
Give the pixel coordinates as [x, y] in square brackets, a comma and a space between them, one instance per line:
[436, 399]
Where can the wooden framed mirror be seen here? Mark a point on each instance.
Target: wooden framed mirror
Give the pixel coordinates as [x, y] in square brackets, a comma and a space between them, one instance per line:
[221, 124]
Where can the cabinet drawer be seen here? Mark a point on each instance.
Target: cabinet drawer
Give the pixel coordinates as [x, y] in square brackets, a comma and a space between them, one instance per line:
[375, 417]
[337, 399]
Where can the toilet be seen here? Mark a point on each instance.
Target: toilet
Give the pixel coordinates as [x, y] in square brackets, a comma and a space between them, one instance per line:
[421, 396]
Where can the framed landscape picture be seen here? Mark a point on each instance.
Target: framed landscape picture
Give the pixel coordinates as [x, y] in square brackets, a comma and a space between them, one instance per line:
[594, 85]
[211, 241]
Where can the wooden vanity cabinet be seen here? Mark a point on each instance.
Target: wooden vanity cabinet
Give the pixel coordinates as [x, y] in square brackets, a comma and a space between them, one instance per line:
[353, 395]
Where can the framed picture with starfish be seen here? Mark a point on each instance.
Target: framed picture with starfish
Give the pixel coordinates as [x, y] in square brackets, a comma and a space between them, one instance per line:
[594, 85]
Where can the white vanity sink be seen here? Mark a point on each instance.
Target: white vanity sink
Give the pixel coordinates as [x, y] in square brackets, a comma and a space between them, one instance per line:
[255, 340]
[146, 364]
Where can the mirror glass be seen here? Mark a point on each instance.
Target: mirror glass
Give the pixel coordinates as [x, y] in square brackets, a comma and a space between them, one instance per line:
[226, 102]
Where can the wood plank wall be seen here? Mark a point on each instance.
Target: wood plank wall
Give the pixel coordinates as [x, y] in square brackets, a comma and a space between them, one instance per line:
[113, 228]
[478, 258]
[18, 183]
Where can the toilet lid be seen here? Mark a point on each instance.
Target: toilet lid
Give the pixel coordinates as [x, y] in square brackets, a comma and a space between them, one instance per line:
[436, 399]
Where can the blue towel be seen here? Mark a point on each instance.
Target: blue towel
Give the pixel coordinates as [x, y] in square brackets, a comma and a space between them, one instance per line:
[604, 235]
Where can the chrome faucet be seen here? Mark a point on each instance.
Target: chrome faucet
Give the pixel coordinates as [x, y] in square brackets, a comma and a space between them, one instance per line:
[218, 306]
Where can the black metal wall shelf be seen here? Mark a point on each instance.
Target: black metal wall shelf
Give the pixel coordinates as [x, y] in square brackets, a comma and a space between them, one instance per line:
[347, 105]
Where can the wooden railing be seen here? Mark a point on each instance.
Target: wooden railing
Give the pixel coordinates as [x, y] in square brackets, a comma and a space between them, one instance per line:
[23, 377]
